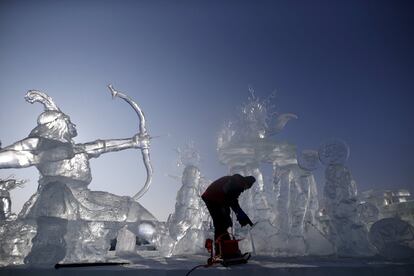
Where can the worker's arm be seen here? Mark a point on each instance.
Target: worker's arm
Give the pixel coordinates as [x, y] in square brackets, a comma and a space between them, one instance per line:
[242, 217]
[234, 205]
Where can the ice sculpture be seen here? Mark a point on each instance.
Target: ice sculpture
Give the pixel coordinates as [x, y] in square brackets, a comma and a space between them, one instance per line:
[393, 238]
[367, 214]
[66, 219]
[6, 185]
[126, 241]
[379, 204]
[340, 199]
[186, 228]
[284, 208]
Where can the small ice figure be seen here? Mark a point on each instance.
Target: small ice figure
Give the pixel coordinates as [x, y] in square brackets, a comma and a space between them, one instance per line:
[393, 238]
[186, 225]
[185, 229]
[6, 185]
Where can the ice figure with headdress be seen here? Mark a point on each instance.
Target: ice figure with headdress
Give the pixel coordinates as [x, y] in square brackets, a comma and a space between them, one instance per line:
[65, 218]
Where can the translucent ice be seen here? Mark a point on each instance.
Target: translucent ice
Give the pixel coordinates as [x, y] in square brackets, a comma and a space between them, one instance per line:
[284, 205]
[308, 160]
[186, 225]
[340, 198]
[72, 223]
[333, 151]
[6, 185]
[367, 214]
[49, 244]
[126, 241]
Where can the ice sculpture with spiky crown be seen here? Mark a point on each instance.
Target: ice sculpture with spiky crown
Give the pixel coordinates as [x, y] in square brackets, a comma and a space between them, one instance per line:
[283, 208]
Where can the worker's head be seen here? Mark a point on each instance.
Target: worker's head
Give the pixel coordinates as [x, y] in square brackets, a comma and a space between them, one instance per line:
[246, 180]
[249, 180]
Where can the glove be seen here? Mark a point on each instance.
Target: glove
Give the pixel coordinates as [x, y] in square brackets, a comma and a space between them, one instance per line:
[243, 219]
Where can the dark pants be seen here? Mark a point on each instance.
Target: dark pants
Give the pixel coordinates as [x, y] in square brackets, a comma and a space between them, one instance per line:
[221, 220]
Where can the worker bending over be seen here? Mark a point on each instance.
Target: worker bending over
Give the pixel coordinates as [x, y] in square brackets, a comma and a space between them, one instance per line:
[222, 195]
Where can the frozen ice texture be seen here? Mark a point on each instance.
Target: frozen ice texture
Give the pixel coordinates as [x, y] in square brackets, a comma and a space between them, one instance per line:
[386, 204]
[49, 244]
[81, 203]
[126, 241]
[317, 243]
[334, 151]
[186, 228]
[65, 170]
[296, 198]
[367, 214]
[88, 241]
[188, 155]
[340, 198]
[283, 208]
[308, 160]
[163, 241]
[16, 240]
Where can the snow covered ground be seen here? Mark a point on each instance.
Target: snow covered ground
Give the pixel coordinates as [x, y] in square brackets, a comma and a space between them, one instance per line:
[257, 265]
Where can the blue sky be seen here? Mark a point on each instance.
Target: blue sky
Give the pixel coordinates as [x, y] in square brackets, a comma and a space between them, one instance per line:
[344, 67]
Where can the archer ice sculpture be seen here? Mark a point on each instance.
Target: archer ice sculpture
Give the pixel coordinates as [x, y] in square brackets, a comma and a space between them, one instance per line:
[340, 198]
[6, 185]
[283, 208]
[72, 221]
[186, 228]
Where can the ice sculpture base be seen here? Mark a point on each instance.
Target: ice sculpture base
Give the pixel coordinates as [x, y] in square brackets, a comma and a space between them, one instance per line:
[48, 240]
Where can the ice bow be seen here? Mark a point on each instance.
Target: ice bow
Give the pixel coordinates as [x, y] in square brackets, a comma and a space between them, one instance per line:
[142, 133]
